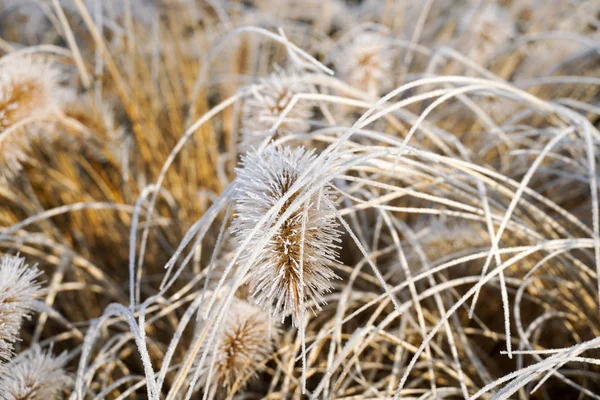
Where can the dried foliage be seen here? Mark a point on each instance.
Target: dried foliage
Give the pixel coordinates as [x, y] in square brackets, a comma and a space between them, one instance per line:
[299, 199]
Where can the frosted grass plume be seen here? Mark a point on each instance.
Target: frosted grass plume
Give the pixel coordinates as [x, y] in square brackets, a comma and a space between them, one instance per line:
[36, 375]
[263, 179]
[18, 289]
[485, 30]
[266, 103]
[366, 62]
[29, 91]
[245, 340]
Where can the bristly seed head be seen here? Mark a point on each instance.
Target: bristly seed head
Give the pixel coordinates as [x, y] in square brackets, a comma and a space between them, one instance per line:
[28, 88]
[366, 62]
[266, 103]
[35, 376]
[486, 30]
[245, 340]
[263, 179]
[18, 289]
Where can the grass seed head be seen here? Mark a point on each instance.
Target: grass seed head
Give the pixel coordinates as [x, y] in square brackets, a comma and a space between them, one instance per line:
[266, 103]
[264, 179]
[18, 289]
[28, 88]
[366, 62]
[245, 340]
[487, 30]
[36, 375]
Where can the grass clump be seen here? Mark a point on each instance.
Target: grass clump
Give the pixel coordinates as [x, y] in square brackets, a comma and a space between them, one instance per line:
[299, 199]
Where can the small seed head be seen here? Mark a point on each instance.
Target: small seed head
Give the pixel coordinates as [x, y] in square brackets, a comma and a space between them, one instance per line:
[265, 105]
